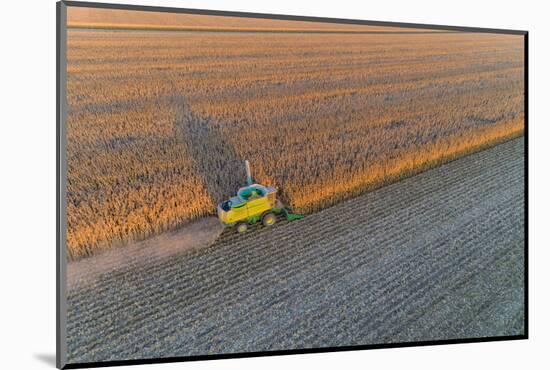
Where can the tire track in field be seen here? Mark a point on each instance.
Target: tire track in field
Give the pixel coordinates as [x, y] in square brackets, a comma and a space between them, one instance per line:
[393, 268]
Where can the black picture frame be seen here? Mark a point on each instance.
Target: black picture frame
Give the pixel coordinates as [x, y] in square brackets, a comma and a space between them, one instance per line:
[61, 169]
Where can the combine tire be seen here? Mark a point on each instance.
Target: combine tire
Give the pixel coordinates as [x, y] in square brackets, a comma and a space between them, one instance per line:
[242, 227]
[269, 219]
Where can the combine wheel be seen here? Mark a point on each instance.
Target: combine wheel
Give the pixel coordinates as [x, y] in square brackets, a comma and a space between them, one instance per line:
[242, 227]
[269, 219]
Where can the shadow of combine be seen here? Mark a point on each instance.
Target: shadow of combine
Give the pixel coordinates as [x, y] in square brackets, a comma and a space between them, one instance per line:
[219, 166]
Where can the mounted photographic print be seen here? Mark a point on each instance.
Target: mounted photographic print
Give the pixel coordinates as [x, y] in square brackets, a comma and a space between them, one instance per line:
[235, 184]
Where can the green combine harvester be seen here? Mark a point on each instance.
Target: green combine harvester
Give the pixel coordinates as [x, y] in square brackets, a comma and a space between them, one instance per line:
[253, 203]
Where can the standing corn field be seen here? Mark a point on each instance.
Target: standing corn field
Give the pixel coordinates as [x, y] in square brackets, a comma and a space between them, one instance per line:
[159, 123]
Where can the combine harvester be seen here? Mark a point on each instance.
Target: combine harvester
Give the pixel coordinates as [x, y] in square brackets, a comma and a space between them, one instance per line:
[253, 203]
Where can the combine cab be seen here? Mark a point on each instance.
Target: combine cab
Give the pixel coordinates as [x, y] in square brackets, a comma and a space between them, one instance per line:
[253, 203]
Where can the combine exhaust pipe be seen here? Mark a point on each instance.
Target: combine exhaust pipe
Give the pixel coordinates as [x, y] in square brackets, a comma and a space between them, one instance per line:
[248, 174]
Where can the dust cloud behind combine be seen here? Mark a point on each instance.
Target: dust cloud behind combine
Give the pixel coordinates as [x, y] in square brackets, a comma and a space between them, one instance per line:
[156, 249]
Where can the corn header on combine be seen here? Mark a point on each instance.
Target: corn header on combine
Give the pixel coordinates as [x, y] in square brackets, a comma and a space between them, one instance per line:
[253, 203]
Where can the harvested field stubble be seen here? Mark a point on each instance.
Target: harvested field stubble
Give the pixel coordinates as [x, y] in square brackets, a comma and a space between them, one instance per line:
[160, 122]
[438, 256]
